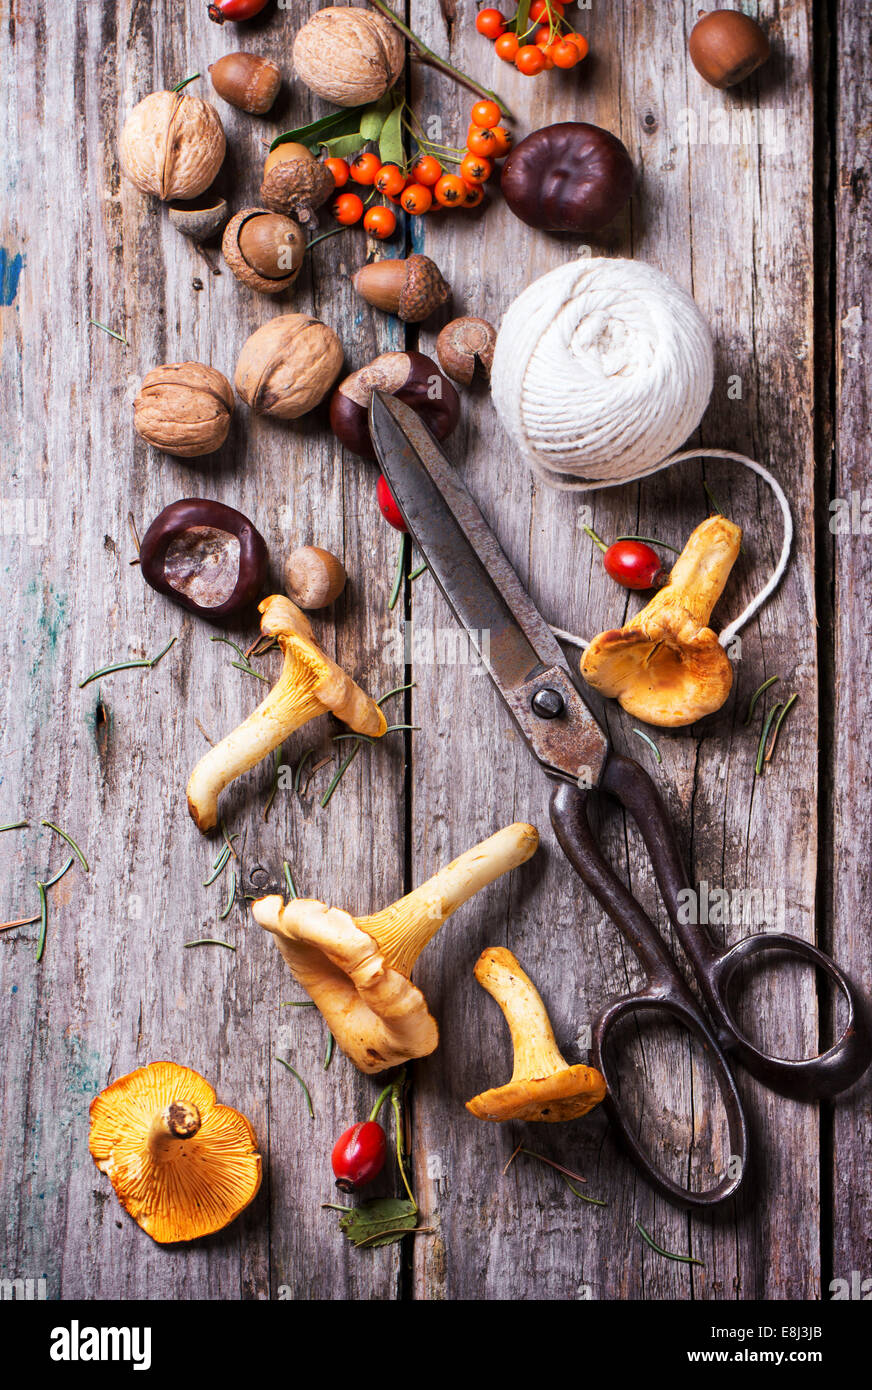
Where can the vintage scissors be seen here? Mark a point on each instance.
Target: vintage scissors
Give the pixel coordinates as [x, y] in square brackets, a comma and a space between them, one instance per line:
[532, 675]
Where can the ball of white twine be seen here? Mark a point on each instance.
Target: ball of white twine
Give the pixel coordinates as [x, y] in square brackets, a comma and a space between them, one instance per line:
[602, 368]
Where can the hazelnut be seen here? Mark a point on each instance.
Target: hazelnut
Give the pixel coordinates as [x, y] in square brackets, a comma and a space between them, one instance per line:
[264, 250]
[313, 577]
[201, 219]
[246, 81]
[349, 56]
[463, 343]
[412, 378]
[184, 408]
[726, 46]
[411, 289]
[295, 182]
[288, 365]
[172, 145]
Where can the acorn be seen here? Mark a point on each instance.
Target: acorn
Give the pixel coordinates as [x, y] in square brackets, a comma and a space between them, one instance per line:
[246, 81]
[295, 182]
[411, 289]
[265, 250]
[726, 46]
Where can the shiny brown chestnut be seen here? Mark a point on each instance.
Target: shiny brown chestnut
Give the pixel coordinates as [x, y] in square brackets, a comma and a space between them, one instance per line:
[569, 177]
[205, 556]
[412, 378]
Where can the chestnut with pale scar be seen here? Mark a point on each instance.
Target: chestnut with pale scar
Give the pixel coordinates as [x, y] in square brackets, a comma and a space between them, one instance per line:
[206, 556]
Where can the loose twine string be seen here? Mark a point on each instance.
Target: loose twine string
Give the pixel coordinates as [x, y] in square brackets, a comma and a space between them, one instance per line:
[601, 365]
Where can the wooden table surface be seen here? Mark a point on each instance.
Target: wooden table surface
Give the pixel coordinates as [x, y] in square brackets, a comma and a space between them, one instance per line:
[765, 219]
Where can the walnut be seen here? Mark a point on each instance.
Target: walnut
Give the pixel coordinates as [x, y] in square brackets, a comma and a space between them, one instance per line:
[288, 365]
[184, 408]
[172, 145]
[348, 55]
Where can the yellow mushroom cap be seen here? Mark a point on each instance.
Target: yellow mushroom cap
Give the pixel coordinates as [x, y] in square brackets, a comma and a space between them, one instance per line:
[666, 666]
[543, 1085]
[377, 1016]
[357, 970]
[181, 1165]
[564, 1096]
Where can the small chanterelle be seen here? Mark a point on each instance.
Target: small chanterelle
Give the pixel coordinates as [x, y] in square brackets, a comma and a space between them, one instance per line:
[357, 969]
[543, 1086]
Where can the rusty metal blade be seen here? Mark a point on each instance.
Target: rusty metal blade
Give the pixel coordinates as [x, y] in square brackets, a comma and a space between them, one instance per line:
[517, 646]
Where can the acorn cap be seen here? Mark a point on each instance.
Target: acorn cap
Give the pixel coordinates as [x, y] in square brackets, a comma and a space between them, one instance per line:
[239, 265]
[423, 291]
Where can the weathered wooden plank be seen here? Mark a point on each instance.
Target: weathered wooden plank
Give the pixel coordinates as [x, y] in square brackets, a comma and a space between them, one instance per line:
[700, 216]
[116, 988]
[852, 575]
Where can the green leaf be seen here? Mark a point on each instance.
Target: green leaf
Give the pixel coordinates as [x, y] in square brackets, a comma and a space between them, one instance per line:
[337, 123]
[371, 123]
[343, 145]
[391, 143]
[382, 1222]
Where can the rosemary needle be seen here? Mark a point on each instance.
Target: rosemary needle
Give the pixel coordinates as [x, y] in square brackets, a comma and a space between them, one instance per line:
[756, 696]
[777, 725]
[309, 1104]
[209, 941]
[15, 825]
[231, 897]
[420, 570]
[149, 662]
[289, 880]
[218, 866]
[340, 772]
[309, 753]
[761, 746]
[296, 1004]
[21, 922]
[43, 920]
[328, 1055]
[50, 882]
[594, 1201]
[250, 671]
[651, 744]
[70, 841]
[397, 690]
[111, 331]
[398, 575]
[667, 1254]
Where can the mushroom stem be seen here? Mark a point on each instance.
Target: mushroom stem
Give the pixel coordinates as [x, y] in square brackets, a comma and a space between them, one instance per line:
[178, 1120]
[309, 685]
[536, 1050]
[403, 929]
[701, 571]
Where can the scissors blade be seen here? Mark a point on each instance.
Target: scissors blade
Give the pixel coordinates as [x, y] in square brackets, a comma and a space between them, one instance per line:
[516, 645]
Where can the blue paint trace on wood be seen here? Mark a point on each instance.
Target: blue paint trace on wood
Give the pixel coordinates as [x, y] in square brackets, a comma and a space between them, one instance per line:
[10, 272]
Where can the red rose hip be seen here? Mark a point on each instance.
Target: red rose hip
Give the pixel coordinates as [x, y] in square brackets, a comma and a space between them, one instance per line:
[359, 1155]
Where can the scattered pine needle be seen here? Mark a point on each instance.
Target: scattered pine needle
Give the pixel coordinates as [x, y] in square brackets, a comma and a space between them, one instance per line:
[756, 696]
[209, 941]
[309, 1104]
[70, 841]
[651, 744]
[111, 331]
[667, 1254]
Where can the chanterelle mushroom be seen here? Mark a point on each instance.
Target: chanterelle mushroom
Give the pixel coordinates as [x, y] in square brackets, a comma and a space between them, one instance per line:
[357, 969]
[181, 1165]
[543, 1085]
[310, 684]
[667, 666]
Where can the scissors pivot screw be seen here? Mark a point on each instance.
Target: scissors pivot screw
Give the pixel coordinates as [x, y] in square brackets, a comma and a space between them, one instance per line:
[547, 703]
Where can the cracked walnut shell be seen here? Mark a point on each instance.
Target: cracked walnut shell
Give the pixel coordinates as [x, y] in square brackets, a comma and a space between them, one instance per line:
[172, 145]
[184, 408]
